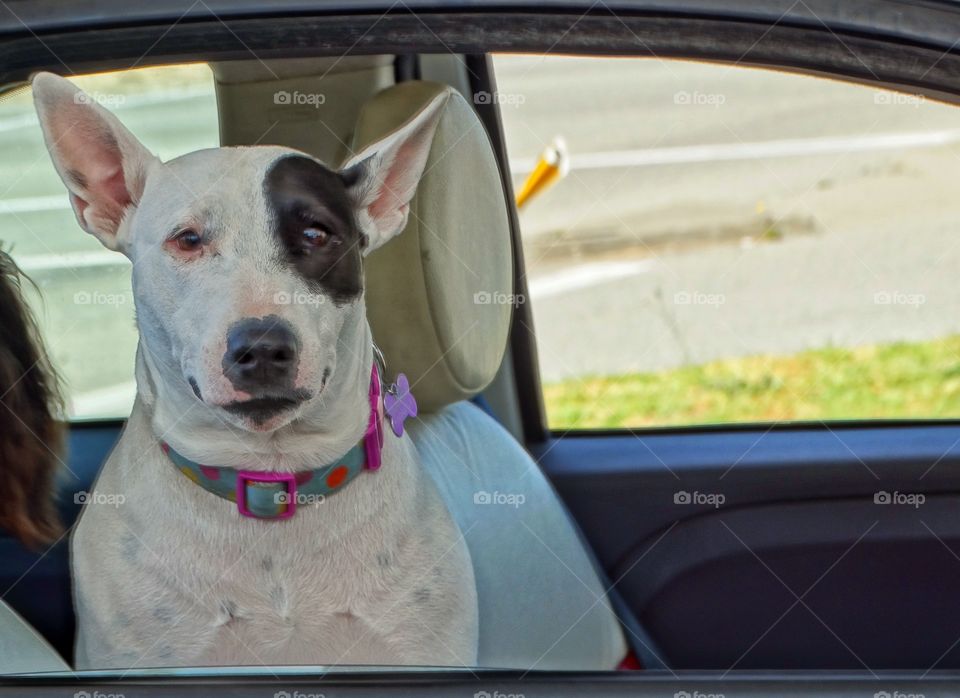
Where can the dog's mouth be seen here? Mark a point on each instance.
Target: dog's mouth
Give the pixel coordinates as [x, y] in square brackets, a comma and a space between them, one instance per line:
[261, 409]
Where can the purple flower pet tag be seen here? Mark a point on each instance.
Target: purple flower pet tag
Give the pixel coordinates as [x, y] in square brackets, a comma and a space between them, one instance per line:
[399, 404]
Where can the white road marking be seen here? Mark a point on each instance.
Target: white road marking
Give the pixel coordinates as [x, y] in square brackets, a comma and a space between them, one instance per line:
[33, 204]
[716, 152]
[719, 152]
[129, 102]
[584, 276]
[16, 122]
[110, 401]
[69, 260]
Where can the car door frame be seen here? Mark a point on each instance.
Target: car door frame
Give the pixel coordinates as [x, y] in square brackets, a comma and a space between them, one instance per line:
[854, 40]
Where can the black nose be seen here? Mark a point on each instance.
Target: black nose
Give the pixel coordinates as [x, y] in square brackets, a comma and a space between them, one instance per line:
[261, 353]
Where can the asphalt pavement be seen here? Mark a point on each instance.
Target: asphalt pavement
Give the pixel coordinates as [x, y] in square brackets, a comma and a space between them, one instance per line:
[710, 212]
[715, 211]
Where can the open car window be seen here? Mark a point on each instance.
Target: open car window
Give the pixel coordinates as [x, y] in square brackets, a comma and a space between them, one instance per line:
[85, 304]
[731, 245]
[699, 252]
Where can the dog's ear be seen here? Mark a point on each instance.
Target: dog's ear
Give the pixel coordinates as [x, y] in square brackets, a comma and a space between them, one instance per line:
[383, 177]
[101, 163]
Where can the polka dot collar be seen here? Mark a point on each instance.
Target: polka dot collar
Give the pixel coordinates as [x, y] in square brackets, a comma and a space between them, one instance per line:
[272, 495]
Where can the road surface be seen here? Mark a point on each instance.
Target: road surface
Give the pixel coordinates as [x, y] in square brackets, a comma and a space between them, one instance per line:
[714, 212]
[710, 212]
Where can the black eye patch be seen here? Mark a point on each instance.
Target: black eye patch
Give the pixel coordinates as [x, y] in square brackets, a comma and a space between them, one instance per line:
[314, 222]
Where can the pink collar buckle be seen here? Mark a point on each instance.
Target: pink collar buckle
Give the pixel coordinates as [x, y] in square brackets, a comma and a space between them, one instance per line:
[246, 477]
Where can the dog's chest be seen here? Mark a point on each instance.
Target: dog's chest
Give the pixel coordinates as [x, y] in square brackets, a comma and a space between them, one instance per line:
[257, 603]
[376, 574]
[283, 608]
[279, 595]
[397, 589]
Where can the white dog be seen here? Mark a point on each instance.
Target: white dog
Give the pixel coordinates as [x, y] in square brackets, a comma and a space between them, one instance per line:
[242, 518]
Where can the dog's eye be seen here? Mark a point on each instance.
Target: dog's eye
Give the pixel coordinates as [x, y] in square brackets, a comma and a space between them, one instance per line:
[188, 240]
[315, 236]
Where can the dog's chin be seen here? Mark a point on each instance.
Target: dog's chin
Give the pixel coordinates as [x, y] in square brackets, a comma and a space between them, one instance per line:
[266, 413]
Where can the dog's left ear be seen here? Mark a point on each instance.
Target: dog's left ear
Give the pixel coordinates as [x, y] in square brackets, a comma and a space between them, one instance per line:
[383, 177]
[101, 163]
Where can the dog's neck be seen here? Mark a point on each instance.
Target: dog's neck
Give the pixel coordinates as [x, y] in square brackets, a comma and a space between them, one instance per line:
[329, 426]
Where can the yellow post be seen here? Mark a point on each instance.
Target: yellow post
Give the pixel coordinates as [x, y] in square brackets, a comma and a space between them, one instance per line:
[552, 166]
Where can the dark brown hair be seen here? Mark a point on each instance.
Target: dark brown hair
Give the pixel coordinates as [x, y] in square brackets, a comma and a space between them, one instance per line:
[30, 433]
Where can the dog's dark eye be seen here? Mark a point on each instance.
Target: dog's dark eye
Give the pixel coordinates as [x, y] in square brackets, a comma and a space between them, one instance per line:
[188, 240]
[316, 236]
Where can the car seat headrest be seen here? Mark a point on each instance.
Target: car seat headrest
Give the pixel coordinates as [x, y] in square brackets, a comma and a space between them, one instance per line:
[439, 295]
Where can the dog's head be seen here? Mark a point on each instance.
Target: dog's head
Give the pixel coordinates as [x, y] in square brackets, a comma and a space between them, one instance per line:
[247, 262]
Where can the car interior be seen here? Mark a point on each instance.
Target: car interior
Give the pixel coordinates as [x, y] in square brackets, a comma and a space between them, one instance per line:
[450, 351]
[799, 570]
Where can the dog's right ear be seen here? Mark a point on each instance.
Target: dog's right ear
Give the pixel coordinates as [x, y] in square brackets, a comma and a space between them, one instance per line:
[101, 163]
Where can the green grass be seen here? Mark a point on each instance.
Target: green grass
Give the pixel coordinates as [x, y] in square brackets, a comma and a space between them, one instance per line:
[891, 381]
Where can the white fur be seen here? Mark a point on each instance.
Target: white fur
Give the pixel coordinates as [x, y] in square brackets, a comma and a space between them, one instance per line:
[173, 575]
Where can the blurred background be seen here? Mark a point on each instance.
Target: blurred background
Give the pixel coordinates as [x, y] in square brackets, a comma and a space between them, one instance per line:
[727, 244]
[734, 245]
